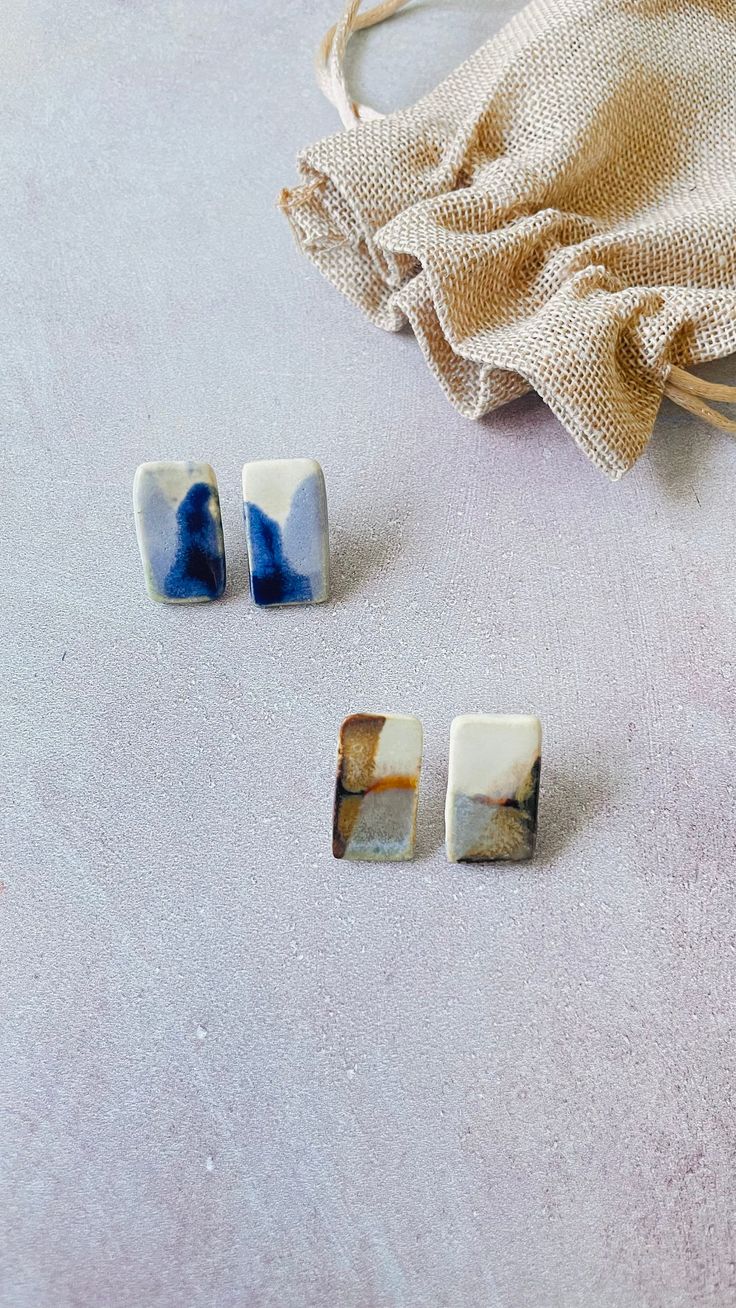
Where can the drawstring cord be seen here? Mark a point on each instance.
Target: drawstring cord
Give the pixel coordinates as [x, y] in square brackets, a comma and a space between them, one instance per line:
[691, 393]
[330, 59]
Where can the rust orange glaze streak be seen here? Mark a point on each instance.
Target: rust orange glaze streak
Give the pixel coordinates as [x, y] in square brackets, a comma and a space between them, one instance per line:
[392, 783]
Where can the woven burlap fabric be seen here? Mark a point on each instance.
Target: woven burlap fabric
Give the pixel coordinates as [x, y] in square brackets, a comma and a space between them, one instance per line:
[560, 213]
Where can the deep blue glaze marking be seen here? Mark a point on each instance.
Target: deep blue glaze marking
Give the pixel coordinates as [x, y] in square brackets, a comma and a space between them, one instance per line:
[199, 564]
[272, 578]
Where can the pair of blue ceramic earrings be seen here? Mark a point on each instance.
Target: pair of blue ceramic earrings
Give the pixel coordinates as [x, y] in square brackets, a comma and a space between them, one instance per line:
[179, 527]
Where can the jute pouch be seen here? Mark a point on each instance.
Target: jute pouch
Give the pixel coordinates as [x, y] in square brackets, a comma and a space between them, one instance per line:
[559, 214]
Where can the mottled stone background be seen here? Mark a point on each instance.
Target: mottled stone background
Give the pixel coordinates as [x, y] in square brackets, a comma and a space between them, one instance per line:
[233, 1071]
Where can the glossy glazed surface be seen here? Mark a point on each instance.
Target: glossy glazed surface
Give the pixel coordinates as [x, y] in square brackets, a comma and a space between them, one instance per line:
[378, 766]
[492, 788]
[285, 511]
[177, 519]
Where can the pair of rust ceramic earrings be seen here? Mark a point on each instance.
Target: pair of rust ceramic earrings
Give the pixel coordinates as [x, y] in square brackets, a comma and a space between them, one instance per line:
[492, 787]
[177, 515]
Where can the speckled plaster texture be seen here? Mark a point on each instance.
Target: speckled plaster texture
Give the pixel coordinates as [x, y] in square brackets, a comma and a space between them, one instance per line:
[233, 1071]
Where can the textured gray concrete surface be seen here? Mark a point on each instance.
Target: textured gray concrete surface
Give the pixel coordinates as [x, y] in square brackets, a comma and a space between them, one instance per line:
[233, 1071]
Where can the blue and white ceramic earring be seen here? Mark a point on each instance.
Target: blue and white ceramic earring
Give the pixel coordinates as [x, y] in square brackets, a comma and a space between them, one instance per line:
[177, 519]
[285, 510]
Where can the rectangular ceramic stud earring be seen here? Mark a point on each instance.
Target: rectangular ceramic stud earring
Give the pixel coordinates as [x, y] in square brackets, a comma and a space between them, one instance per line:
[285, 508]
[177, 519]
[492, 788]
[378, 764]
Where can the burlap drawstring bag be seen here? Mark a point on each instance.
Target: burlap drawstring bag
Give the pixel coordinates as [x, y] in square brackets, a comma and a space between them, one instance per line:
[559, 214]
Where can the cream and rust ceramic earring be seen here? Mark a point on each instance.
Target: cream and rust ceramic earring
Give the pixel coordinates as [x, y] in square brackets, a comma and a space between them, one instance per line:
[379, 761]
[493, 788]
